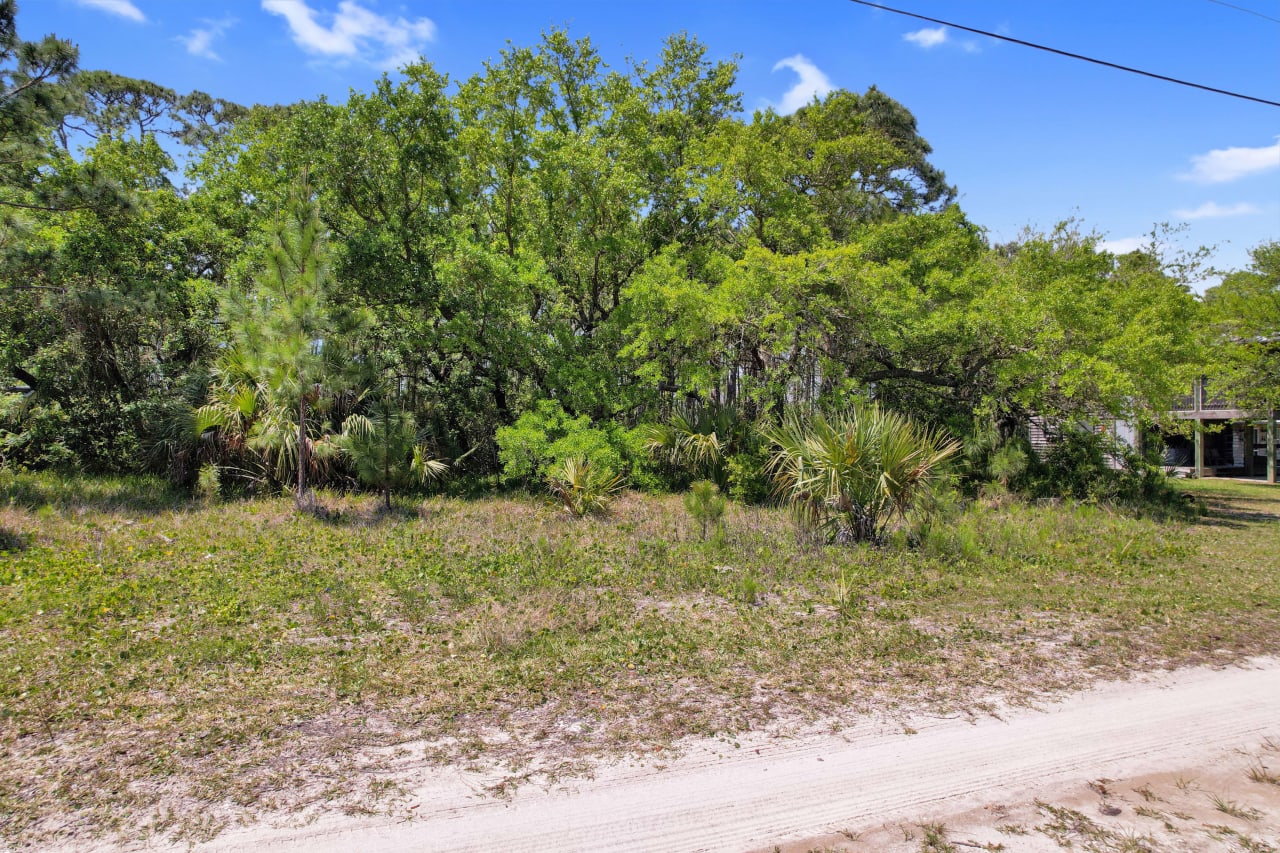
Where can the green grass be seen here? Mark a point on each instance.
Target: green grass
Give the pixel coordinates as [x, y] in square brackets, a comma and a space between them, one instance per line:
[171, 667]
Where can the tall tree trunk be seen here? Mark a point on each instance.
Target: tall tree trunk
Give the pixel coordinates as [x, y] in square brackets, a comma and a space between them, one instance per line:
[500, 399]
[302, 451]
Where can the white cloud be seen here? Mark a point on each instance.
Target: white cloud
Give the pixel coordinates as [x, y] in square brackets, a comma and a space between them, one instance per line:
[1124, 245]
[199, 42]
[1213, 210]
[1226, 164]
[812, 83]
[123, 8]
[928, 37]
[355, 32]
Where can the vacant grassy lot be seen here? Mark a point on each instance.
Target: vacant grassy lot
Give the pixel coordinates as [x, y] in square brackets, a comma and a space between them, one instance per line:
[169, 668]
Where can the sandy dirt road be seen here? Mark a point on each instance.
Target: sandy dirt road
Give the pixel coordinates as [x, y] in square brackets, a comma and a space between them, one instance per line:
[800, 793]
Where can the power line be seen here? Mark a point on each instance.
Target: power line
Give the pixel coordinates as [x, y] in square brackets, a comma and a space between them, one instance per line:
[1246, 11]
[1070, 55]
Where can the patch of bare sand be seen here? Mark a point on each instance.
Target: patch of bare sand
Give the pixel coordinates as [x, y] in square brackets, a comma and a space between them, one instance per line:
[1186, 738]
[1230, 803]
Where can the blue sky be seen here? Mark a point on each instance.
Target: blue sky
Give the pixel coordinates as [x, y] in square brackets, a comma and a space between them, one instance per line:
[1028, 138]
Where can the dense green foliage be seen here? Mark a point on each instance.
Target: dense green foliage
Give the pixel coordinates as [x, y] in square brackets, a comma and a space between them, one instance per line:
[552, 259]
[1084, 465]
[1244, 318]
[545, 437]
[699, 440]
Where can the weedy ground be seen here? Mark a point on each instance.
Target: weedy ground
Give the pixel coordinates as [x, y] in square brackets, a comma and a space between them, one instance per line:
[170, 668]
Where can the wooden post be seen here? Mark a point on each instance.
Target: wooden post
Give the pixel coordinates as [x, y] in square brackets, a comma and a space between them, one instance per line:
[1247, 436]
[1271, 447]
[1199, 460]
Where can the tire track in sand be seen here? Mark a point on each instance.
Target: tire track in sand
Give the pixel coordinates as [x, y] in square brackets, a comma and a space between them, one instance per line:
[773, 791]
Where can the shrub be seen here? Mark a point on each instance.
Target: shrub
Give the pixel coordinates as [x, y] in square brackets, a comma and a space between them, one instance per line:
[992, 464]
[84, 434]
[748, 476]
[384, 448]
[1077, 467]
[849, 475]
[523, 447]
[544, 438]
[644, 473]
[208, 487]
[582, 487]
[584, 441]
[698, 439]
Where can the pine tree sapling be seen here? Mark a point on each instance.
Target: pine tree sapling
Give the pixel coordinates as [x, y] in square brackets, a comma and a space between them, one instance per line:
[705, 504]
[208, 488]
[1007, 463]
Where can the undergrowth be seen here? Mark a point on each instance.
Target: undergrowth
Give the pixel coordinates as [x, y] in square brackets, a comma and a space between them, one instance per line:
[168, 659]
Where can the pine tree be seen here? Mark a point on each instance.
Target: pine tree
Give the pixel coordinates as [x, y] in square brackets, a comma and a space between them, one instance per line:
[289, 335]
[34, 95]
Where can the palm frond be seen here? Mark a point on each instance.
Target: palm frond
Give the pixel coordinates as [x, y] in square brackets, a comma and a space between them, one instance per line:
[852, 473]
[427, 468]
[583, 488]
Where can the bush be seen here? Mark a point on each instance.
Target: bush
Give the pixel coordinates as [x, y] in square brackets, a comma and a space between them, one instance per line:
[544, 438]
[697, 441]
[1077, 467]
[32, 436]
[79, 433]
[583, 488]
[383, 446]
[644, 472]
[991, 463]
[848, 476]
[748, 476]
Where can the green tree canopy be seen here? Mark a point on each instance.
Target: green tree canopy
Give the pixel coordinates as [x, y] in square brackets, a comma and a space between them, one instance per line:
[1243, 348]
